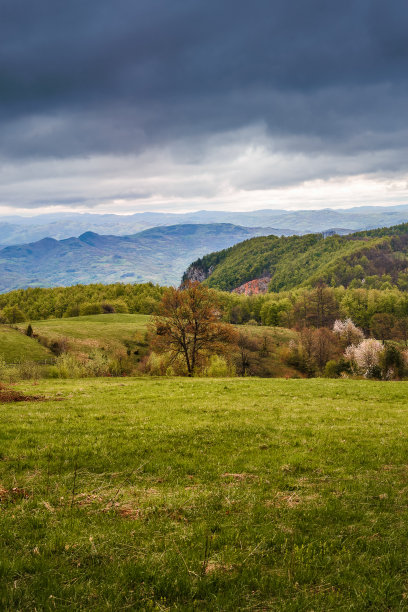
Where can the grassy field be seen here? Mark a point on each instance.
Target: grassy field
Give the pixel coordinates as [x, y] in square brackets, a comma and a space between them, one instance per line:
[113, 332]
[108, 331]
[15, 347]
[194, 494]
[99, 327]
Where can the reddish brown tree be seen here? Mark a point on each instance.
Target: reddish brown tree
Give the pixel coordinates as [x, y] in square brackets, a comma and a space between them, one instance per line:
[400, 330]
[381, 326]
[188, 325]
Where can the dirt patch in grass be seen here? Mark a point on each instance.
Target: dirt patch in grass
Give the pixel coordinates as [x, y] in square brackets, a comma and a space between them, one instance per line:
[290, 500]
[242, 476]
[13, 494]
[212, 567]
[8, 395]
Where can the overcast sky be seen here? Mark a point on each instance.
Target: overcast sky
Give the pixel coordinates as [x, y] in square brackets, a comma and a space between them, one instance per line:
[176, 105]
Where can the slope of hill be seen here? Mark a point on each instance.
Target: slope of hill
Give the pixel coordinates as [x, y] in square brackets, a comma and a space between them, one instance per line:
[20, 230]
[158, 255]
[302, 260]
[16, 346]
[107, 332]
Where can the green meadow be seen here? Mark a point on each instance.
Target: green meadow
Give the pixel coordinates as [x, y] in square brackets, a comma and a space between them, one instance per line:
[108, 331]
[205, 494]
[102, 327]
[16, 347]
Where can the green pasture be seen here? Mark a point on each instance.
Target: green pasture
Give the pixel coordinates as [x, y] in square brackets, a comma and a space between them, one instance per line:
[205, 494]
[99, 327]
[16, 347]
[106, 331]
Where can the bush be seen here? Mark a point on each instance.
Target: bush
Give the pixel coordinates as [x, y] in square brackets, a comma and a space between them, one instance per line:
[3, 367]
[120, 306]
[156, 365]
[107, 308]
[57, 346]
[373, 371]
[331, 369]
[72, 311]
[90, 308]
[67, 366]
[335, 369]
[29, 370]
[392, 362]
[219, 368]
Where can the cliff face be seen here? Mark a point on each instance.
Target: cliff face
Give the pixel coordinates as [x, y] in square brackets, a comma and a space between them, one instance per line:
[195, 273]
[254, 287]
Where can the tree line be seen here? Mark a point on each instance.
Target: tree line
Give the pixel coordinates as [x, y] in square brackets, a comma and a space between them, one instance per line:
[188, 332]
[38, 303]
[380, 313]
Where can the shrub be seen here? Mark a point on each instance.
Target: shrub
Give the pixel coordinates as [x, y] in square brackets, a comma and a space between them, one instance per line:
[28, 370]
[3, 367]
[58, 346]
[157, 365]
[96, 365]
[120, 306]
[90, 308]
[373, 371]
[68, 366]
[218, 367]
[331, 369]
[107, 308]
[392, 362]
[72, 311]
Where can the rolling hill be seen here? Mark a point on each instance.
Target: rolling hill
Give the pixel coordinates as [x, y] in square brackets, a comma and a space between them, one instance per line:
[158, 255]
[296, 261]
[16, 346]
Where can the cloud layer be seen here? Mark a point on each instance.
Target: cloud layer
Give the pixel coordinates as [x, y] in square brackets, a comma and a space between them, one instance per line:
[156, 104]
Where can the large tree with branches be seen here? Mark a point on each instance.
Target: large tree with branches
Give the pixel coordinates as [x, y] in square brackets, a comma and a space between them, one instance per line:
[188, 324]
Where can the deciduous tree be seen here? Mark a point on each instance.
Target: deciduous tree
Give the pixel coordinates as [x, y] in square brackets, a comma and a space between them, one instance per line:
[188, 325]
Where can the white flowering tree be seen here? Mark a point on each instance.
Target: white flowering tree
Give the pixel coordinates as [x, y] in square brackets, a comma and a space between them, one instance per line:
[348, 332]
[364, 355]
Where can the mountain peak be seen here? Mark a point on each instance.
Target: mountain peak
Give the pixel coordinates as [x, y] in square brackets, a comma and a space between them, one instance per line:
[88, 236]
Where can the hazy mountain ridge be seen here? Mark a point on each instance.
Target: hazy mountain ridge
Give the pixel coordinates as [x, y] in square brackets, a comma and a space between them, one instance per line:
[159, 255]
[21, 230]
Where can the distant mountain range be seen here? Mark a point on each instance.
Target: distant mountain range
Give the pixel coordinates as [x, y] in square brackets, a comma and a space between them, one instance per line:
[159, 255]
[21, 230]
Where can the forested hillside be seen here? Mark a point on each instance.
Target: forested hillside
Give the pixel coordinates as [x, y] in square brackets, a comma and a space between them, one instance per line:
[370, 259]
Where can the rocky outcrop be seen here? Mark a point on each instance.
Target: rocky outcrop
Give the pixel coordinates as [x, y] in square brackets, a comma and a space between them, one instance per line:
[254, 287]
[195, 273]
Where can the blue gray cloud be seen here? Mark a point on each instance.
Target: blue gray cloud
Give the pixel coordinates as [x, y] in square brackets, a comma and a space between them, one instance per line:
[82, 80]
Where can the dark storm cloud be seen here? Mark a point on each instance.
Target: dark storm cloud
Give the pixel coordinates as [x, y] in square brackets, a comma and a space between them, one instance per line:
[87, 77]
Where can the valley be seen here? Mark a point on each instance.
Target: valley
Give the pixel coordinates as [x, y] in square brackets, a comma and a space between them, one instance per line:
[158, 255]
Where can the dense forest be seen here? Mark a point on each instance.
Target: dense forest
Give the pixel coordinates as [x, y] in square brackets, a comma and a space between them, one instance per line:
[374, 259]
